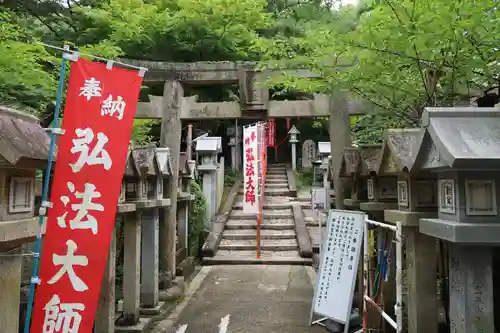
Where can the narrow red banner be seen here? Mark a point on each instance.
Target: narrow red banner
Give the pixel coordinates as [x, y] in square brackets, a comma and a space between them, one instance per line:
[271, 133]
[98, 121]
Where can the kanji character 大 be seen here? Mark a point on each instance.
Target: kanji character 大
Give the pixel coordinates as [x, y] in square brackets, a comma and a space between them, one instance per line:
[67, 262]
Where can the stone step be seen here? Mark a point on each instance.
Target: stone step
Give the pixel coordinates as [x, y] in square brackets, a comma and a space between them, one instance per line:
[276, 224]
[268, 205]
[277, 192]
[278, 180]
[244, 234]
[276, 172]
[274, 202]
[280, 176]
[249, 258]
[266, 245]
[268, 214]
[271, 191]
[276, 166]
[277, 185]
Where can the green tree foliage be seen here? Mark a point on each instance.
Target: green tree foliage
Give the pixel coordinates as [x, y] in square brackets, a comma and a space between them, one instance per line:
[401, 55]
[164, 30]
[25, 69]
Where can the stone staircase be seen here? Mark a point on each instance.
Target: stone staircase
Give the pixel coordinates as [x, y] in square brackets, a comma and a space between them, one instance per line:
[278, 237]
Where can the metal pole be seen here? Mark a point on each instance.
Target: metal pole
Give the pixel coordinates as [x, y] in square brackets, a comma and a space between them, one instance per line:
[399, 275]
[366, 260]
[36, 255]
[189, 142]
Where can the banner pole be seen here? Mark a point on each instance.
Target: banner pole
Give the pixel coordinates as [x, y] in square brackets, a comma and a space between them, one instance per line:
[259, 179]
[36, 255]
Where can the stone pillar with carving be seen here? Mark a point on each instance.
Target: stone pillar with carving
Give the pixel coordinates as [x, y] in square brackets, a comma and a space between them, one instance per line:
[171, 127]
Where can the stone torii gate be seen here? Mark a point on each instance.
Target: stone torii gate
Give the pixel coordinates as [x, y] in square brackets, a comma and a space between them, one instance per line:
[173, 107]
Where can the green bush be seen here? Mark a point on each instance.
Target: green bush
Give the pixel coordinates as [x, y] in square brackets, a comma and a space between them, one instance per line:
[230, 176]
[197, 218]
[304, 178]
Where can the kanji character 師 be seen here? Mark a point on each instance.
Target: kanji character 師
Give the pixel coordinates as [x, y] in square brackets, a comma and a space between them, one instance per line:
[250, 192]
[67, 262]
[96, 156]
[82, 220]
[91, 88]
[62, 317]
[110, 107]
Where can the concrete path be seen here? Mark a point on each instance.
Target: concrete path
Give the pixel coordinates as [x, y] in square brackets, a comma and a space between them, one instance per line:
[246, 299]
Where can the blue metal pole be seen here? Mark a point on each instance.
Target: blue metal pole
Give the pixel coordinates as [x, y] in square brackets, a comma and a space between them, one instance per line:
[36, 255]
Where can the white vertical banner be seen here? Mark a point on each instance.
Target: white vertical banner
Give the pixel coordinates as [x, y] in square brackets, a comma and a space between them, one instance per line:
[251, 170]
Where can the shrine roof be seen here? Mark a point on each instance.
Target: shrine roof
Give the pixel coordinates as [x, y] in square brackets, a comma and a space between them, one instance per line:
[130, 165]
[324, 147]
[146, 161]
[209, 145]
[186, 167]
[164, 162]
[461, 138]
[369, 155]
[22, 137]
[350, 162]
[400, 149]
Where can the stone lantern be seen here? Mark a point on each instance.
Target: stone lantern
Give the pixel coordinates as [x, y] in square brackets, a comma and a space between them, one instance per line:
[207, 149]
[317, 180]
[324, 151]
[293, 140]
[234, 141]
[461, 146]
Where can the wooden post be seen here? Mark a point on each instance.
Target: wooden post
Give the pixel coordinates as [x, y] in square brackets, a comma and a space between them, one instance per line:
[171, 127]
[339, 139]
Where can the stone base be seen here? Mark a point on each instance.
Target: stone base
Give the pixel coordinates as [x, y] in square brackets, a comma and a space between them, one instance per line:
[352, 203]
[174, 293]
[407, 219]
[186, 268]
[152, 311]
[143, 325]
[461, 232]
[165, 280]
[377, 206]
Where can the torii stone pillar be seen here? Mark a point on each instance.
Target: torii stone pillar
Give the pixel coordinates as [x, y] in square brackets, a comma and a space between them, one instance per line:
[171, 127]
[340, 137]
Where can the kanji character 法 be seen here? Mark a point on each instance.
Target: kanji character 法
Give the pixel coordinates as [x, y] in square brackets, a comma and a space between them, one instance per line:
[62, 317]
[96, 156]
[67, 262]
[82, 220]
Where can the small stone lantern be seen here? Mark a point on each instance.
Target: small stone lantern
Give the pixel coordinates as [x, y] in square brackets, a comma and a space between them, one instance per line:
[317, 180]
[207, 149]
[293, 140]
[324, 151]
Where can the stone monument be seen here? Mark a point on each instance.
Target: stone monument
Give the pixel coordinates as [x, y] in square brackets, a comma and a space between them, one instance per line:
[308, 153]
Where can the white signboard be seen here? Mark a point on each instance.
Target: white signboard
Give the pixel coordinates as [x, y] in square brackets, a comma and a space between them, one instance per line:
[319, 198]
[338, 265]
[250, 171]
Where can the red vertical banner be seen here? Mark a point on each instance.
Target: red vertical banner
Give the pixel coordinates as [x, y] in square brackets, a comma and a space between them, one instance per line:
[287, 124]
[98, 119]
[271, 133]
